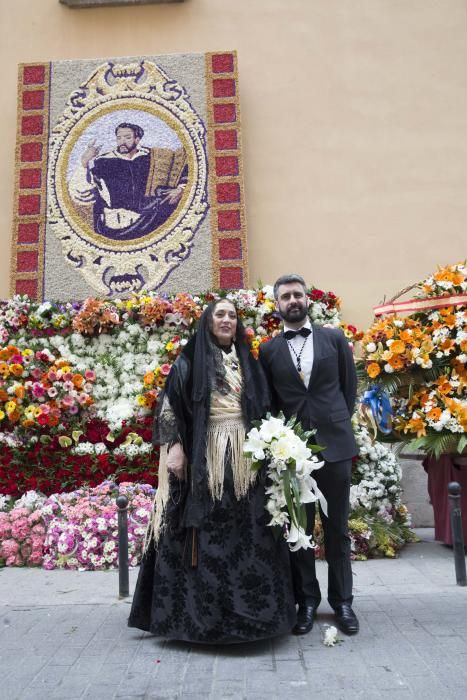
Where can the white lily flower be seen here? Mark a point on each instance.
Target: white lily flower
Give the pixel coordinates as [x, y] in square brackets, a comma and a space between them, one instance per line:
[298, 539]
[272, 428]
[254, 445]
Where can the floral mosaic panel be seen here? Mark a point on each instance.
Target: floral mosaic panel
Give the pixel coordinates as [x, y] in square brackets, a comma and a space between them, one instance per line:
[128, 177]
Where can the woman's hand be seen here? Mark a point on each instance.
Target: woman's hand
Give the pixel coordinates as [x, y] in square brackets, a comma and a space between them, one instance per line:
[177, 461]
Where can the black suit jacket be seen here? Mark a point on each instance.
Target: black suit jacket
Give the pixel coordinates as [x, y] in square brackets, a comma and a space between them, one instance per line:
[328, 402]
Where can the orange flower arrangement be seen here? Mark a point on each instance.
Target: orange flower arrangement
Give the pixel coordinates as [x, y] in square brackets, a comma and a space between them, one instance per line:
[185, 305]
[435, 406]
[96, 316]
[153, 311]
[450, 279]
[396, 344]
[433, 339]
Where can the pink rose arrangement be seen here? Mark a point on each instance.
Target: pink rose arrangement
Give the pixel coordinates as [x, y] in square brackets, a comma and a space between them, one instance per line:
[77, 530]
[22, 535]
[82, 526]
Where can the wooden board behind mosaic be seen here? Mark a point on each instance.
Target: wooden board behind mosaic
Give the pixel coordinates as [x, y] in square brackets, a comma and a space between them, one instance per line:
[128, 177]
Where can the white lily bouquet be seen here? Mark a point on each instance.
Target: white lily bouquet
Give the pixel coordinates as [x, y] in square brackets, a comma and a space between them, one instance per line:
[290, 463]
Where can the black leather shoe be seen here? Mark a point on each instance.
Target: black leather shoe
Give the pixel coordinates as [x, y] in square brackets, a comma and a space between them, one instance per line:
[305, 618]
[346, 619]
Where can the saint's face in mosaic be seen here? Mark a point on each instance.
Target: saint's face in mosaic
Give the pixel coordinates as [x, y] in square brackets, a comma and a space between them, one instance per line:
[134, 188]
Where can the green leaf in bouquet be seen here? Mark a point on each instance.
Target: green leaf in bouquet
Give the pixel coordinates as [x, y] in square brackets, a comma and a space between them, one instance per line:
[393, 438]
[309, 434]
[436, 445]
[302, 518]
[295, 488]
[462, 443]
[316, 448]
[291, 423]
[256, 465]
[390, 383]
[288, 498]
[299, 509]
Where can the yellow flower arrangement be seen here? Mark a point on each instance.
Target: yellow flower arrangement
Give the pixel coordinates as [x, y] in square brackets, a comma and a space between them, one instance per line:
[451, 279]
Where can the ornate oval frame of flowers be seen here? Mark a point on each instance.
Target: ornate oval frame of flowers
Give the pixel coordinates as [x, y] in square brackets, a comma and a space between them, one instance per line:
[118, 267]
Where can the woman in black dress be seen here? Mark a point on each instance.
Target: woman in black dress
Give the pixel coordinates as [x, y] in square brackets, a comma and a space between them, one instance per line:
[213, 571]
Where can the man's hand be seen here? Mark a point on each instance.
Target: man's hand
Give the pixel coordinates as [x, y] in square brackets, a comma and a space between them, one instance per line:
[91, 152]
[173, 195]
[177, 461]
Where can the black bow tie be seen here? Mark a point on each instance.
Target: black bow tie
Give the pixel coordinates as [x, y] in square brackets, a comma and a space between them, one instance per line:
[305, 332]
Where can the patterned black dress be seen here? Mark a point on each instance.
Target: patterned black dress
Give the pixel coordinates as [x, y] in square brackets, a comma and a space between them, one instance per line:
[241, 589]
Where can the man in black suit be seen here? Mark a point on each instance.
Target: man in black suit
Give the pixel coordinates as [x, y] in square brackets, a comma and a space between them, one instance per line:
[311, 373]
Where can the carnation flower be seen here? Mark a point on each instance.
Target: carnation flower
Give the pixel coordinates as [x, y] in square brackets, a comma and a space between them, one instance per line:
[330, 636]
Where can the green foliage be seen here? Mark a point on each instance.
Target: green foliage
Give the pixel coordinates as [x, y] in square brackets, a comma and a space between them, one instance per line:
[288, 498]
[436, 445]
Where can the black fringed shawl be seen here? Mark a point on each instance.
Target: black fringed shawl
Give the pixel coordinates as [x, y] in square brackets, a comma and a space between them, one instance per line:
[196, 372]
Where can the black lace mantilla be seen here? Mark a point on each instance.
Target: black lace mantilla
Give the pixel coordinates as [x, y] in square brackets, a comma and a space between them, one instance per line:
[167, 423]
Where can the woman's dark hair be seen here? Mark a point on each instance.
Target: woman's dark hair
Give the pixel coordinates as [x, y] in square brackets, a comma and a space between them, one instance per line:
[209, 311]
[209, 369]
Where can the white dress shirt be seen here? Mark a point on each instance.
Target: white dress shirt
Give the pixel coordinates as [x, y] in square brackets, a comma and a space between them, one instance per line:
[306, 358]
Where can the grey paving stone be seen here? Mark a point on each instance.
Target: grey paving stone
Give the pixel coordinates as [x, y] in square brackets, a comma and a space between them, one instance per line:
[49, 676]
[100, 691]
[133, 684]
[35, 694]
[64, 635]
[429, 687]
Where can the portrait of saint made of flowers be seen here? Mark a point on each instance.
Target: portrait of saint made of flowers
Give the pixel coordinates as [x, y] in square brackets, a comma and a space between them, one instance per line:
[126, 174]
[127, 179]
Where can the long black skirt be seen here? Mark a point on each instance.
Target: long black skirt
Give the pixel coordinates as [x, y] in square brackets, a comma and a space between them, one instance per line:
[241, 589]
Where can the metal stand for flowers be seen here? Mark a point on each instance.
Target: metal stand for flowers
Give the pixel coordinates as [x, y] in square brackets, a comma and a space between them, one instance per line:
[454, 491]
[123, 576]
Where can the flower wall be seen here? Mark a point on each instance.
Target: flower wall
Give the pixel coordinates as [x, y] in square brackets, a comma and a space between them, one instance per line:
[78, 385]
[79, 381]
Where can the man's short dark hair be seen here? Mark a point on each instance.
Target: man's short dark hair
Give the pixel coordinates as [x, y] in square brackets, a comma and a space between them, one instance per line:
[288, 279]
[137, 130]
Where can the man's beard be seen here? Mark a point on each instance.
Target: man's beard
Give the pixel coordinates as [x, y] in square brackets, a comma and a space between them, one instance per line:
[294, 314]
[123, 149]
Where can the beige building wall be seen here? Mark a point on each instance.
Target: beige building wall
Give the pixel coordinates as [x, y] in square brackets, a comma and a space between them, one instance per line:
[354, 120]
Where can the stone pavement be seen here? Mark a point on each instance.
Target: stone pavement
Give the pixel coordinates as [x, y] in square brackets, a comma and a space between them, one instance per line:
[63, 635]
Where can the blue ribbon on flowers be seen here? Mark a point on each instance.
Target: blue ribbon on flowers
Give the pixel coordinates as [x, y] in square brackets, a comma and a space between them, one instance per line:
[377, 407]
